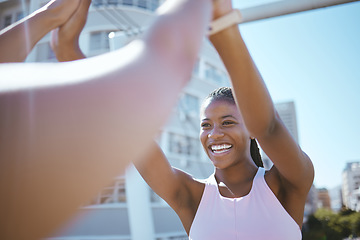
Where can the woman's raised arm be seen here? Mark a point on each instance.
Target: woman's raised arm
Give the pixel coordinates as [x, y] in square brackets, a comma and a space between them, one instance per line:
[257, 108]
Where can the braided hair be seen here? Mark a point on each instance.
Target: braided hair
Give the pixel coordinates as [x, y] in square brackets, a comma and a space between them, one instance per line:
[225, 94]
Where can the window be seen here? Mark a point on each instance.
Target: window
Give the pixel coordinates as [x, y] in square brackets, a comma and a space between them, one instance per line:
[19, 15]
[97, 3]
[212, 73]
[154, 4]
[142, 4]
[145, 4]
[99, 41]
[193, 146]
[196, 68]
[183, 145]
[114, 193]
[128, 2]
[44, 53]
[112, 2]
[7, 21]
[154, 197]
[189, 106]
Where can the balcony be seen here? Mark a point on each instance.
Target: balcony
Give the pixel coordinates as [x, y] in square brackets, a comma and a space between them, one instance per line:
[151, 5]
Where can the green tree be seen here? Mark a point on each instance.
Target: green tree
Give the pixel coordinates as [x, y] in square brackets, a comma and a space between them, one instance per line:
[326, 224]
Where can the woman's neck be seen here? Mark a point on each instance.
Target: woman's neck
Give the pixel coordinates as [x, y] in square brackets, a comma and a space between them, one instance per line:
[242, 172]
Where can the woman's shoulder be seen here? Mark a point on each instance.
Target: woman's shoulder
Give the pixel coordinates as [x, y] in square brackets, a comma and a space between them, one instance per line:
[194, 185]
[189, 200]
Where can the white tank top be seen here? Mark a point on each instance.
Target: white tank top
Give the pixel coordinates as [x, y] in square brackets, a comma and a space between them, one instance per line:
[256, 216]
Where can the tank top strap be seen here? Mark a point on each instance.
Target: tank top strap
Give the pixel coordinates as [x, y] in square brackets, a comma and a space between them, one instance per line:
[210, 185]
[259, 178]
[260, 173]
[211, 180]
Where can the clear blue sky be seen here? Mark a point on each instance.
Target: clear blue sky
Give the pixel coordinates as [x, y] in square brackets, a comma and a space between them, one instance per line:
[313, 58]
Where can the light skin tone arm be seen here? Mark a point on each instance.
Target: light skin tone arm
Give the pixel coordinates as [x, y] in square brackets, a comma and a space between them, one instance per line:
[173, 185]
[18, 39]
[65, 39]
[293, 173]
[62, 141]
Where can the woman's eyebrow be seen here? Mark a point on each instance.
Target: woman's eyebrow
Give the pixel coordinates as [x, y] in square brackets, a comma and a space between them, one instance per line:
[226, 116]
[222, 117]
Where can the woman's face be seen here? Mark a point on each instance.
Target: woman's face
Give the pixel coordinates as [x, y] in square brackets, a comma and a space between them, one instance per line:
[222, 133]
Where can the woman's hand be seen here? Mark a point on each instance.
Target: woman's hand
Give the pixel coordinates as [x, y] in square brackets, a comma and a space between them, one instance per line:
[18, 39]
[60, 10]
[221, 8]
[65, 39]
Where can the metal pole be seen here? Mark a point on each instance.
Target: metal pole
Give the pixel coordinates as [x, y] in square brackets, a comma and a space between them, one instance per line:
[280, 8]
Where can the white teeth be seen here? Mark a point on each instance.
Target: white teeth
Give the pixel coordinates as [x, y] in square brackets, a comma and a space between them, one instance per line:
[220, 147]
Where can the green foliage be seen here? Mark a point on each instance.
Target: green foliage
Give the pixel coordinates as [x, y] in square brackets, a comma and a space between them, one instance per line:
[324, 224]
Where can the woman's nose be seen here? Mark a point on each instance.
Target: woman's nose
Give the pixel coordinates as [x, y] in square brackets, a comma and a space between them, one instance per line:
[215, 133]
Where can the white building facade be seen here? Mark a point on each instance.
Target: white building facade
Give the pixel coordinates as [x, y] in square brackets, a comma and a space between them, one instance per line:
[351, 186]
[105, 16]
[336, 198]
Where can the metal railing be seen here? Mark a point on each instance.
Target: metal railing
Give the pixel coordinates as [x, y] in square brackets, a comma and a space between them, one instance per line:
[151, 5]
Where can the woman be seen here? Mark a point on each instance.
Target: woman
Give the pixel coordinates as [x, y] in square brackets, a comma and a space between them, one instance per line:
[241, 200]
[64, 126]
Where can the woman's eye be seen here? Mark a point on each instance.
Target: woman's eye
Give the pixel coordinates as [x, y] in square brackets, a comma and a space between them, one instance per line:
[205, 125]
[228, 122]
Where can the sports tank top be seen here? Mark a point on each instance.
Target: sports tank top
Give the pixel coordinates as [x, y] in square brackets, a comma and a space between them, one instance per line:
[256, 216]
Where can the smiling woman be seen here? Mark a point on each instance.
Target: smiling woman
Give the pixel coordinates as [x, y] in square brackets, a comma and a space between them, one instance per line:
[239, 178]
[240, 197]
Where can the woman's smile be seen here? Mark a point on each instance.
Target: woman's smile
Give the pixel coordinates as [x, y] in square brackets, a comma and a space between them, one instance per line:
[220, 148]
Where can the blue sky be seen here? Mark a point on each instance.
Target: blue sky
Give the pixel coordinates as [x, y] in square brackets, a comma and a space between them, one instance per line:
[313, 58]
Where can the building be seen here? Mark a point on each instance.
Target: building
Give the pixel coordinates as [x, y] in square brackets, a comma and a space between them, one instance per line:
[336, 198]
[311, 204]
[287, 113]
[351, 186]
[324, 198]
